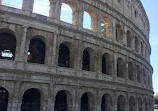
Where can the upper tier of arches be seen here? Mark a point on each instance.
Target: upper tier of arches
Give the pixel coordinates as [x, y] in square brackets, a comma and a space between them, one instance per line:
[74, 12]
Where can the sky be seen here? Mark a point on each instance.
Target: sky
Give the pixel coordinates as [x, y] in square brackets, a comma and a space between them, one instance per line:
[151, 7]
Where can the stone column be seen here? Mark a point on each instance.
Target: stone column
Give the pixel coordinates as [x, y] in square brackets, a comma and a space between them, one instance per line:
[115, 67]
[28, 5]
[125, 36]
[79, 56]
[55, 9]
[114, 30]
[51, 99]
[54, 54]
[80, 17]
[16, 104]
[22, 53]
[1, 2]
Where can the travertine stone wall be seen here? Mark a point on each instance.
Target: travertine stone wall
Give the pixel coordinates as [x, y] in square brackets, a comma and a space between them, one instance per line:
[18, 75]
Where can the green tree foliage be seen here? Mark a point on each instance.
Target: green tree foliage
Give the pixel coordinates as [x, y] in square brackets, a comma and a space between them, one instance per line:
[156, 99]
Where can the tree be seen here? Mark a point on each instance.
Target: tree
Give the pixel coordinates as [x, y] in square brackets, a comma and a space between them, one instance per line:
[156, 99]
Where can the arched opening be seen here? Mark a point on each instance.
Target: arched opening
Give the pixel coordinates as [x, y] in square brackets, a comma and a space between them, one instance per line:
[138, 74]
[41, 7]
[106, 27]
[146, 105]
[66, 13]
[130, 71]
[121, 104]
[129, 39]
[142, 48]
[87, 20]
[106, 64]
[132, 105]
[61, 102]
[36, 52]
[86, 61]
[140, 103]
[120, 67]
[106, 104]
[85, 106]
[7, 46]
[13, 3]
[136, 44]
[31, 100]
[119, 33]
[3, 99]
[64, 56]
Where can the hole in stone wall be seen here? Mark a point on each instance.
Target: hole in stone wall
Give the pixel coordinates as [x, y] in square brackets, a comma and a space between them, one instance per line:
[3, 99]
[61, 102]
[7, 46]
[64, 56]
[106, 104]
[130, 71]
[106, 27]
[87, 20]
[66, 13]
[36, 52]
[121, 103]
[41, 7]
[132, 104]
[119, 33]
[31, 100]
[13, 3]
[85, 103]
[120, 67]
[86, 61]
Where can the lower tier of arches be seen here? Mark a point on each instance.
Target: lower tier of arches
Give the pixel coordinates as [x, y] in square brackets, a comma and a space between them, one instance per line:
[38, 96]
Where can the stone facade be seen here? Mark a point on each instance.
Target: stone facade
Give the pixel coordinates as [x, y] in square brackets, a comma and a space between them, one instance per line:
[119, 75]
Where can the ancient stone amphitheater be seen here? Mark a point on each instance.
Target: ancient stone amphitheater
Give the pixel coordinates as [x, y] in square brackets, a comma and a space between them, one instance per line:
[50, 65]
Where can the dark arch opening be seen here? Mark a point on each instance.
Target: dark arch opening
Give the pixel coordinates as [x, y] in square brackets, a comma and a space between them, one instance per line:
[120, 67]
[3, 99]
[61, 102]
[7, 46]
[121, 103]
[132, 105]
[106, 64]
[86, 61]
[140, 108]
[130, 71]
[106, 104]
[31, 100]
[85, 103]
[138, 74]
[64, 56]
[36, 52]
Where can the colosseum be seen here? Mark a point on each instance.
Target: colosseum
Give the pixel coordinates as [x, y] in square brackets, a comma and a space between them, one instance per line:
[47, 64]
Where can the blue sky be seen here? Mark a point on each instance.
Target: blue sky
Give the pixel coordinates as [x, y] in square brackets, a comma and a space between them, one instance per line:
[151, 7]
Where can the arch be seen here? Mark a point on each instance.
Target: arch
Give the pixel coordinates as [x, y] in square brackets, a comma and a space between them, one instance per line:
[138, 74]
[120, 67]
[4, 95]
[13, 3]
[121, 103]
[106, 27]
[87, 102]
[64, 55]
[61, 103]
[41, 7]
[86, 59]
[130, 71]
[88, 20]
[106, 104]
[136, 44]
[7, 45]
[132, 104]
[66, 13]
[140, 104]
[106, 64]
[129, 39]
[142, 48]
[31, 100]
[119, 33]
[146, 104]
[36, 52]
